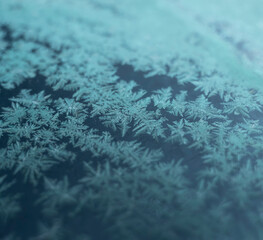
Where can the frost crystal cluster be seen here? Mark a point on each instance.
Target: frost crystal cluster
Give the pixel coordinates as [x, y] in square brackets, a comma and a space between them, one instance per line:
[131, 120]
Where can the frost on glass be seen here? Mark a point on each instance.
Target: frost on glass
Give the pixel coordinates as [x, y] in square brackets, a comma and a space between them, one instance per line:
[131, 120]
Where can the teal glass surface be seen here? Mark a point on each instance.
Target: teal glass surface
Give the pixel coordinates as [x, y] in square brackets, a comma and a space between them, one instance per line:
[131, 120]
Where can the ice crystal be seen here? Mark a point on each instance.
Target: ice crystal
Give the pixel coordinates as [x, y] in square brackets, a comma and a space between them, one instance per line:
[169, 149]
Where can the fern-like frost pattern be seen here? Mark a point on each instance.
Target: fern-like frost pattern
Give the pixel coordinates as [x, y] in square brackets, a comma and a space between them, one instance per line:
[131, 120]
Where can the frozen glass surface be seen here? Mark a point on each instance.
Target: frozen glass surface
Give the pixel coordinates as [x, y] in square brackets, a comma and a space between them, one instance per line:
[131, 120]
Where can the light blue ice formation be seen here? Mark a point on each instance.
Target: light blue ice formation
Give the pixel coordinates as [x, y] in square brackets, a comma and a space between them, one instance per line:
[131, 119]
